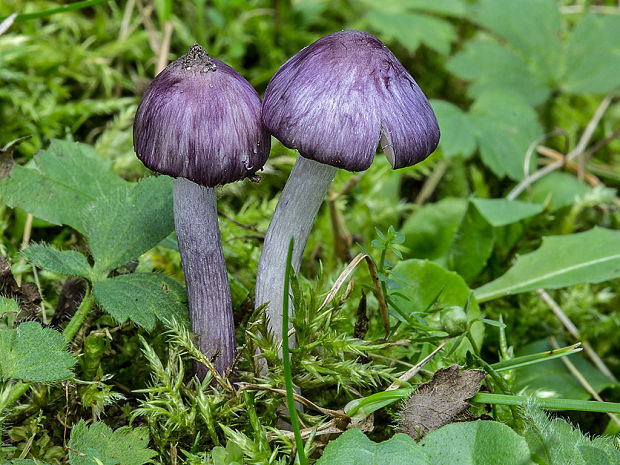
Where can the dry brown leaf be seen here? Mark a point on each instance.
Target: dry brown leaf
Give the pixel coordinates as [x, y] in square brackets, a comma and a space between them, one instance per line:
[440, 401]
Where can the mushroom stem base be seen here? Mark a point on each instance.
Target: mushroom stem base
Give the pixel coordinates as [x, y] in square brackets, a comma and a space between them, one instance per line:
[206, 279]
[294, 216]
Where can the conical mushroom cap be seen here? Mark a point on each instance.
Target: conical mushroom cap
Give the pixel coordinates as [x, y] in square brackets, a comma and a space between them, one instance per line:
[337, 98]
[201, 120]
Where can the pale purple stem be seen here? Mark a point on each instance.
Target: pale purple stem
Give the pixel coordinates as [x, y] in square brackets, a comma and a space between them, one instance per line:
[206, 279]
[294, 216]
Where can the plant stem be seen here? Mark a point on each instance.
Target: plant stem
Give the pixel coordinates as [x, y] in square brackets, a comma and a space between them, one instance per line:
[549, 403]
[80, 315]
[202, 258]
[286, 364]
[294, 216]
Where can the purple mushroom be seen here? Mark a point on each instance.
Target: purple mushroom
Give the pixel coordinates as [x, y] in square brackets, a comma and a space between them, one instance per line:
[335, 101]
[200, 122]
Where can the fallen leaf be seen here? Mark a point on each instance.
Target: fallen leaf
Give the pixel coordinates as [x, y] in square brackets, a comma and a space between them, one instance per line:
[440, 401]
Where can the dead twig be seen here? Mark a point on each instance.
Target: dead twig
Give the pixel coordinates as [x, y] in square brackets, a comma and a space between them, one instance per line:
[572, 329]
[415, 369]
[241, 225]
[576, 152]
[582, 380]
[298, 398]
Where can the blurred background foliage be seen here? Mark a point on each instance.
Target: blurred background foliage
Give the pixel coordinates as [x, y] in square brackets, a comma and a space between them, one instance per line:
[504, 78]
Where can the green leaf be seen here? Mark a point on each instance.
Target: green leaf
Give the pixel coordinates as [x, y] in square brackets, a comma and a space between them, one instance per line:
[454, 8]
[560, 189]
[506, 128]
[8, 306]
[124, 446]
[66, 262]
[589, 257]
[361, 408]
[556, 442]
[411, 29]
[532, 27]
[472, 244]
[476, 235]
[426, 281]
[590, 66]
[476, 443]
[128, 222]
[429, 231]
[354, 448]
[502, 212]
[69, 176]
[558, 381]
[33, 353]
[493, 68]
[457, 132]
[143, 298]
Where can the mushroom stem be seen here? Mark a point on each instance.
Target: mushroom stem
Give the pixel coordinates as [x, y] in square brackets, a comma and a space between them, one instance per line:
[206, 279]
[294, 216]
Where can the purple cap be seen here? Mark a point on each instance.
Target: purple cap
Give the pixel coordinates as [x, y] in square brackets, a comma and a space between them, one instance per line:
[201, 120]
[337, 98]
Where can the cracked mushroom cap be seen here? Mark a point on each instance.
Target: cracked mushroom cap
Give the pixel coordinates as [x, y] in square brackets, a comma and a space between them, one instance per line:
[341, 96]
[201, 120]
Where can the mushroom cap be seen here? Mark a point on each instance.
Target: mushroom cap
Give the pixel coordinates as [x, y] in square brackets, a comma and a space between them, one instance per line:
[201, 120]
[337, 98]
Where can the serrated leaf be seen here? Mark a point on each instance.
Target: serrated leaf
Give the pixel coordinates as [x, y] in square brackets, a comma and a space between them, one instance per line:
[502, 212]
[143, 298]
[589, 257]
[69, 176]
[458, 135]
[476, 443]
[34, 353]
[592, 67]
[454, 8]
[412, 29]
[506, 127]
[531, 26]
[79, 166]
[491, 67]
[128, 222]
[125, 446]
[66, 262]
[354, 448]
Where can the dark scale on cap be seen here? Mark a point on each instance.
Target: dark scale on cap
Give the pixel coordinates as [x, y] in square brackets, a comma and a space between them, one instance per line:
[197, 58]
[201, 120]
